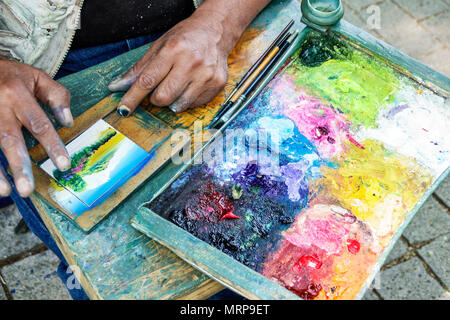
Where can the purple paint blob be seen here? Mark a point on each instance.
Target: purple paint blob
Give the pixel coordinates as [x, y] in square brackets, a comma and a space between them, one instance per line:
[391, 114]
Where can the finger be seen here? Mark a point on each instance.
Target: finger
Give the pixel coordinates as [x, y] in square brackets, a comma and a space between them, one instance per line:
[206, 96]
[56, 96]
[13, 146]
[172, 87]
[5, 188]
[186, 100]
[36, 121]
[199, 94]
[124, 82]
[151, 76]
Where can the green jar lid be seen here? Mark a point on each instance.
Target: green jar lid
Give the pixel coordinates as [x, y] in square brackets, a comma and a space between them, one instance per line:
[320, 14]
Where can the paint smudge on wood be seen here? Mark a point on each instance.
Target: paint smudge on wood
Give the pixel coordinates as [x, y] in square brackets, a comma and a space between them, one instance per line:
[416, 125]
[319, 122]
[349, 79]
[247, 228]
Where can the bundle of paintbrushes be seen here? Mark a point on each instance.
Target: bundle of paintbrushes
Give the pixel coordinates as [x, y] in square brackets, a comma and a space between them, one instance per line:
[254, 75]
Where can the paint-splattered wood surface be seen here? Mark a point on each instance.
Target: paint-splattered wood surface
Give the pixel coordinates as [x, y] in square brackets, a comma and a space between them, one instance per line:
[115, 261]
[242, 280]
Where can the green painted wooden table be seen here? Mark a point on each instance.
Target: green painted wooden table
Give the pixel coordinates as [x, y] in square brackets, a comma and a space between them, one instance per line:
[115, 261]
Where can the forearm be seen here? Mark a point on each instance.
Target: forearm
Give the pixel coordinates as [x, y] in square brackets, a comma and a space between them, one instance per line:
[230, 16]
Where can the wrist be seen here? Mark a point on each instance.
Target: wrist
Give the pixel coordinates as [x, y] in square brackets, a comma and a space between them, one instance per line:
[228, 29]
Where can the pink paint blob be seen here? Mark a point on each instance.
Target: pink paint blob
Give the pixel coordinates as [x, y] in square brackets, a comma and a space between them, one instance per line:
[321, 124]
[325, 234]
[356, 143]
[323, 254]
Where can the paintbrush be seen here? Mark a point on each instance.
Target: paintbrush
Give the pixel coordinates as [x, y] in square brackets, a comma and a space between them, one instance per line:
[248, 82]
[245, 81]
[260, 59]
[240, 89]
[266, 66]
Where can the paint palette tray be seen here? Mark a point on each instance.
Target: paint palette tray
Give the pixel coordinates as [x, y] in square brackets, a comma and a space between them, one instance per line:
[315, 179]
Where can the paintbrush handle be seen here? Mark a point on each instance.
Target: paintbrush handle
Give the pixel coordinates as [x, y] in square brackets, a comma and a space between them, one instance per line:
[235, 106]
[230, 104]
[277, 41]
[250, 80]
[280, 39]
[227, 116]
[222, 111]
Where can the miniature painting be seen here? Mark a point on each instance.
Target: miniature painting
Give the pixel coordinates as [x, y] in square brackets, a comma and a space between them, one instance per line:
[102, 160]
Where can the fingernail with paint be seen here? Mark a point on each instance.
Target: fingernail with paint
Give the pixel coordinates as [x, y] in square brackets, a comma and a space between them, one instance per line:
[175, 108]
[64, 116]
[63, 163]
[24, 186]
[115, 81]
[123, 111]
[68, 118]
[180, 105]
[5, 189]
[113, 84]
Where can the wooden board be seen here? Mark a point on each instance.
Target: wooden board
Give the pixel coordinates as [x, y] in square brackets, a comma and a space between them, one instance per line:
[130, 267]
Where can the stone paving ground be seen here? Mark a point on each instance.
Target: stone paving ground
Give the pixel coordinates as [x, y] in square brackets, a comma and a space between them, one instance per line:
[418, 266]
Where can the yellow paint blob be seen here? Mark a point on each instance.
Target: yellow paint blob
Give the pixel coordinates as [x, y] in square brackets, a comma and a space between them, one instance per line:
[376, 185]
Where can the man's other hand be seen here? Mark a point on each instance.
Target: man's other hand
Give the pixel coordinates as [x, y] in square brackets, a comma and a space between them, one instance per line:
[20, 87]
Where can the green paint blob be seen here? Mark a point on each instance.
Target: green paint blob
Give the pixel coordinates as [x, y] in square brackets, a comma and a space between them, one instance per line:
[318, 48]
[237, 191]
[357, 84]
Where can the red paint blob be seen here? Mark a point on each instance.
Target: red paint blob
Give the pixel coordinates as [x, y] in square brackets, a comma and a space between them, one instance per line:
[309, 293]
[353, 246]
[229, 215]
[210, 205]
[307, 261]
[356, 143]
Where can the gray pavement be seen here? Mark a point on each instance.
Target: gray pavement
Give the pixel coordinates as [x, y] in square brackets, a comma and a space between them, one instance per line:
[418, 266]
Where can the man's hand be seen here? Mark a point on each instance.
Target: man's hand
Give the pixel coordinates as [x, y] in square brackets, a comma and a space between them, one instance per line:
[20, 86]
[187, 66]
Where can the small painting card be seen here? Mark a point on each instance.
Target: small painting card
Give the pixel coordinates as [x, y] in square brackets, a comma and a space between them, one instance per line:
[103, 159]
